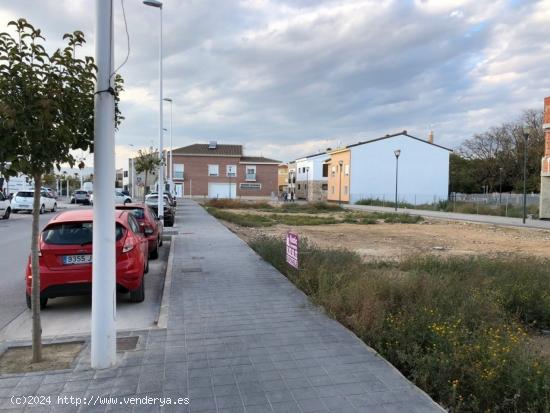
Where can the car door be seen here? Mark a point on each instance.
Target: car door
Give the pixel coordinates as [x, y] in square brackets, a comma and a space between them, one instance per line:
[47, 200]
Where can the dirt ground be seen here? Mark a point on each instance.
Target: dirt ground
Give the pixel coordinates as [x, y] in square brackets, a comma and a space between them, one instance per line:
[439, 237]
[54, 357]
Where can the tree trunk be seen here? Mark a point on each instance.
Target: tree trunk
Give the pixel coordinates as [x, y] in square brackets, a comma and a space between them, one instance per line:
[145, 186]
[35, 269]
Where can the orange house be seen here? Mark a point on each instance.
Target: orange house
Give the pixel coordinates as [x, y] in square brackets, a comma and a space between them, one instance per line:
[338, 171]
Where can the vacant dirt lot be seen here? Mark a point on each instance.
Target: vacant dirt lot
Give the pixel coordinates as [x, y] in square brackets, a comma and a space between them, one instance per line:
[391, 241]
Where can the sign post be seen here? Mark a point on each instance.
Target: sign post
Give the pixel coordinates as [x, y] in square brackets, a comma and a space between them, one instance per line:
[292, 249]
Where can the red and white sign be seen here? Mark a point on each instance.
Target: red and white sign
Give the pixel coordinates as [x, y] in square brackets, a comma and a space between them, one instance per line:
[292, 249]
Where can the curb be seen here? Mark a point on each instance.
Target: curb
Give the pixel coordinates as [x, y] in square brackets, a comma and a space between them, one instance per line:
[162, 317]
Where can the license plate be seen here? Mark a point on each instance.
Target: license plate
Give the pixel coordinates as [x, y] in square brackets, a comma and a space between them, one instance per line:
[77, 259]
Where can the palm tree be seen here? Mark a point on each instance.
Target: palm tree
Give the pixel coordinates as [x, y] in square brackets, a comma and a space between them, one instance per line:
[148, 162]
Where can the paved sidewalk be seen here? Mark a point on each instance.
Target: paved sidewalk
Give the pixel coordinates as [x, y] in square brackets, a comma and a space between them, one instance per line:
[484, 219]
[240, 338]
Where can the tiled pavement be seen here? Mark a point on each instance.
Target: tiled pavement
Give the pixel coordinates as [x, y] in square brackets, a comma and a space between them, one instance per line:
[240, 338]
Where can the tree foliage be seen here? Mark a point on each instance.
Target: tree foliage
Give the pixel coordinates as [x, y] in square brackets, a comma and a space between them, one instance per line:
[147, 162]
[46, 113]
[479, 160]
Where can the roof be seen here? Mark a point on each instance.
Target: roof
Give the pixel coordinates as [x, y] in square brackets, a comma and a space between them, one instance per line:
[258, 159]
[202, 149]
[79, 215]
[403, 133]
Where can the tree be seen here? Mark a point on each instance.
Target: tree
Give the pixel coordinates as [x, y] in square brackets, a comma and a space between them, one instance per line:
[148, 162]
[479, 160]
[48, 103]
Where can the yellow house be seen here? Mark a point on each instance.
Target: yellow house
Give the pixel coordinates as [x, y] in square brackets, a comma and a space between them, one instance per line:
[283, 177]
[338, 171]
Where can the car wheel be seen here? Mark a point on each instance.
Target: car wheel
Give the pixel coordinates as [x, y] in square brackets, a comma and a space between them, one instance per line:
[42, 209]
[73, 201]
[146, 267]
[7, 214]
[160, 241]
[54, 209]
[43, 301]
[138, 295]
[170, 223]
[155, 253]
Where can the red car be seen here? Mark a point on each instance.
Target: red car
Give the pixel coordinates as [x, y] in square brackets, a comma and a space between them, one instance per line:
[66, 257]
[152, 227]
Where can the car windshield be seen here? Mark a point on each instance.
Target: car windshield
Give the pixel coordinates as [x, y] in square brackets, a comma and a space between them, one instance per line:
[152, 198]
[73, 233]
[80, 192]
[25, 194]
[138, 213]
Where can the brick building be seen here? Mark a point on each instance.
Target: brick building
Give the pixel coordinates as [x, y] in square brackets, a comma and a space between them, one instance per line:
[222, 171]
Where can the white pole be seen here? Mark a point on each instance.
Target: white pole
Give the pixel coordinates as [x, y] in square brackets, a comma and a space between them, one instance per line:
[171, 148]
[161, 132]
[104, 261]
[81, 179]
[133, 176]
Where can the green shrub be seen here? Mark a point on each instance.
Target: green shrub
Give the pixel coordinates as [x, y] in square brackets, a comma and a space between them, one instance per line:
[223, 203]
[287, 219]
[244, 220]
[453, 326]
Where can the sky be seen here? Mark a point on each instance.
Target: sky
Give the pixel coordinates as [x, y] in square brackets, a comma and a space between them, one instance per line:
[291, 78]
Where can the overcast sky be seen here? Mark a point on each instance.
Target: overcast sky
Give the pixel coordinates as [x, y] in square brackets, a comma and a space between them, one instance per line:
[287, 78]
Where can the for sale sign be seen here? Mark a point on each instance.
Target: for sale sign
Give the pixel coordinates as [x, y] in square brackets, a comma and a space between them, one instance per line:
[292, 249]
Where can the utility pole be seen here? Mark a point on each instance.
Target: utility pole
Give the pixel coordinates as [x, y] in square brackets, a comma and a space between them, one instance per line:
[104, 261]
[500, 186]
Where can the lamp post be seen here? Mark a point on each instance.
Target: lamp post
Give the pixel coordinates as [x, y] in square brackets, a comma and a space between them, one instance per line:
[525, 137]
[397, 152]
[66, 183]
[158, 5]
[341, 163]
[500, 186]
[103, 324]
[170, 159]
[307, 183]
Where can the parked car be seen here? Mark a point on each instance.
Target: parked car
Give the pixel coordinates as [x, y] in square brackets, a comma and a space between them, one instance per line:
[81, 196]
[5, 206]
[151, 226]
[66, 257]
[50, 191]
[120, 198]
[171, 198]
[169, 211]
[24, 201]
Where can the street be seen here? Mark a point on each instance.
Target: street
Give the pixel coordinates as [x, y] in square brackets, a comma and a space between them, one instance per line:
[64, 315]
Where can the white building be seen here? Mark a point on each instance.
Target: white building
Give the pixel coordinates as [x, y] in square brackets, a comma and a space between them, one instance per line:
[310, 182]
[423, 175]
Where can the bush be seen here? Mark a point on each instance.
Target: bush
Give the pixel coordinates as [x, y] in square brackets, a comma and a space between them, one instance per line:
[236, 204]
[453, 326]
[312, 207]
[244, 220]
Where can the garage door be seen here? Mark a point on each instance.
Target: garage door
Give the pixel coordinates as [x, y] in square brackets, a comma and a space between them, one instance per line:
[222, 190]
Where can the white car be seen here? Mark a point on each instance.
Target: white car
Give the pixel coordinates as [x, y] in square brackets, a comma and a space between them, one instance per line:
[23, 201]
[5, 207]
[120, 198]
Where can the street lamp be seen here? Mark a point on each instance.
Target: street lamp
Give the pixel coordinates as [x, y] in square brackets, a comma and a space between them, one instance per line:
[397, 152]
[341, 163]
[307, 184]
[500, 186]
[525, 137]
[158, 5]
[170, 163]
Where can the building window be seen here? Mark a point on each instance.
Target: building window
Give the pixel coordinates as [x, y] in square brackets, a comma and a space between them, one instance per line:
[231, 170]
[298, 186]
[346, 170]
[125, 174]
[324, 187]
[325, 170]
[250, 172]
[213, 170]
[250, 185]
[178, 171]
[333, 170]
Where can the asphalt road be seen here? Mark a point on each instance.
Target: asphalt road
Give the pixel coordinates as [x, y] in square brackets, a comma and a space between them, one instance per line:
[68, 315]
[484, 219]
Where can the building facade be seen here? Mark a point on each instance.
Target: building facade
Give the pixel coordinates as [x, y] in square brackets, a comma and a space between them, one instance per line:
[311, 185]
[368, 170]
[222, 171]
[282, 178]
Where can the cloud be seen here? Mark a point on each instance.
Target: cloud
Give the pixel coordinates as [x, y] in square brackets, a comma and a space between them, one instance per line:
[286, 78]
